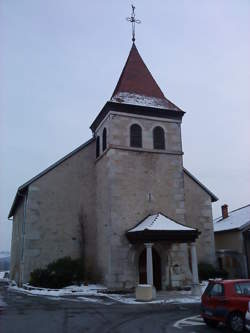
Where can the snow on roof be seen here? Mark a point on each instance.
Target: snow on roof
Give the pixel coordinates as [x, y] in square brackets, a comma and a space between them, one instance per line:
[142, 100]
[136, 80]
[159, 222]
[237, 219]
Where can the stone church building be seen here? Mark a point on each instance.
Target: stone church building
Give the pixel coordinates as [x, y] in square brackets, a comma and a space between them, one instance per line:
[122, 199]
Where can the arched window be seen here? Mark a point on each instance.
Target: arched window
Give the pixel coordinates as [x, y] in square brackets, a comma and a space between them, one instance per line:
[104, 139]
[159, 138]
[97, 146]
[135, 136]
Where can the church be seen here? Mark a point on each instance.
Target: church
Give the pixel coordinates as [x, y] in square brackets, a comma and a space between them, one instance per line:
[123, 200]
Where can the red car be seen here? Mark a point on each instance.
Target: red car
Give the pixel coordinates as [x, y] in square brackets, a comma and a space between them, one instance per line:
[226, 301]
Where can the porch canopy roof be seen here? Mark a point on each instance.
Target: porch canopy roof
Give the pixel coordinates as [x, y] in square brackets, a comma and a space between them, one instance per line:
[159, 227]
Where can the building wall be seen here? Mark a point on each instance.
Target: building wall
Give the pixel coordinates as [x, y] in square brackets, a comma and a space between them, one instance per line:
[231, 240]
[138, 182]
[198, 214]
[103, 221]
[110, 195]
[16, 243]
[231, 253]
[57, 203]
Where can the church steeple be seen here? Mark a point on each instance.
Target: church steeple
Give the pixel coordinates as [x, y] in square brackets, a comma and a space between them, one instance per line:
[138, 93]
[137, 86]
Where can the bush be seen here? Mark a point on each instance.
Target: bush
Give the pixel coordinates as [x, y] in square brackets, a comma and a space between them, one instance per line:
[208, 271]
[58, 274]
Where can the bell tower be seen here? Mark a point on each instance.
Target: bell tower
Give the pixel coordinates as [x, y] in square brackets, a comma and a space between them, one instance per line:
[139, 169]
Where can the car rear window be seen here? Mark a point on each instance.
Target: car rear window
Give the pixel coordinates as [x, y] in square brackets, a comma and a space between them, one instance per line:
[242, 288]
[215, 289]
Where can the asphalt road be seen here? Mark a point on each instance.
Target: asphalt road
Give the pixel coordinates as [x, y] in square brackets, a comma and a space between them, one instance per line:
[20, 313]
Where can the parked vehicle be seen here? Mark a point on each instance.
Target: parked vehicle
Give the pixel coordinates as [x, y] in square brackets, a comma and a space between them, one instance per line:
[247, 318]
[227, 301]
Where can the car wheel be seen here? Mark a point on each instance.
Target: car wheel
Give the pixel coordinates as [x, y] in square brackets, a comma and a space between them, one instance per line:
[236, 322]
[210, 322]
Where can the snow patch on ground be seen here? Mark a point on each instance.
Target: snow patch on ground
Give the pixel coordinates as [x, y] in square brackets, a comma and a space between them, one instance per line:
[162, 300]
[90, 290]
[4, 275]
[204, 286]
[96, 293]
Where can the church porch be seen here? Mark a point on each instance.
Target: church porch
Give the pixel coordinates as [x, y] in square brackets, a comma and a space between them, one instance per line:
[165, 253]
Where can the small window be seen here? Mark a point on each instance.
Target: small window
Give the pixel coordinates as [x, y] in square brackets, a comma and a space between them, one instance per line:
[217, 290]
[104, 139]
[242, 288]
[135, 136]
[97, 147]
[159, 138]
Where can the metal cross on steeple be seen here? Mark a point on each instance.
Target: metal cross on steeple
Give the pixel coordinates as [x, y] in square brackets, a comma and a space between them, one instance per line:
[133, 20]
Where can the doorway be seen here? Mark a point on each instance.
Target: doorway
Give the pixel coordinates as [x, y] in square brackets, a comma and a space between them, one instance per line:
[156, 268]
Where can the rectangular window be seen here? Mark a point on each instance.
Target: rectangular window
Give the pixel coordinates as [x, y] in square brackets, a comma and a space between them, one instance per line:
[217, 290]
[242, 288]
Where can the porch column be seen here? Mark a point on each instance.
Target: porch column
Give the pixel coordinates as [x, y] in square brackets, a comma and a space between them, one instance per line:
[194, 263]
[196, 289]
[149, 263]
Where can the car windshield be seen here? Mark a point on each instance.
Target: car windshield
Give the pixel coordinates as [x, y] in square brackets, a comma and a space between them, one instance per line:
[243, 288]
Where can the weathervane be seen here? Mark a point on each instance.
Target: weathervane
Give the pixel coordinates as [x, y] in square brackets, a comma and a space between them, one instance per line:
[133, 20]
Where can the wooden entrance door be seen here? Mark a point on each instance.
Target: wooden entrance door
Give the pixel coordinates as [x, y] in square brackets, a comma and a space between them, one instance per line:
[156, 268]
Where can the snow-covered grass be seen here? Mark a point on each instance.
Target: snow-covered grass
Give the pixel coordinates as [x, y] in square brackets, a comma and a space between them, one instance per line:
[90, 290]
[166, 299]
[96, 293]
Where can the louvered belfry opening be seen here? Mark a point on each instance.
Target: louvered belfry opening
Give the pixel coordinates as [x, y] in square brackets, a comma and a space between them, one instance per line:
[159, 138]
[135, 136]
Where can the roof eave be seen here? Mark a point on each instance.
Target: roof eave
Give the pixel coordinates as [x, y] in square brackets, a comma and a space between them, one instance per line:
[16, 200]
[180, 236]
[135, 109]
[243, 228]
[227, 230]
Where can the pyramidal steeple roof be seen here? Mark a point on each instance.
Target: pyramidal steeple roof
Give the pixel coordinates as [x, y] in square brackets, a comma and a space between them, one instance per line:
[137, 86]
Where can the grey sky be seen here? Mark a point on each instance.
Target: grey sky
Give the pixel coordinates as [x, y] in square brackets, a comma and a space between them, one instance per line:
[60, 62]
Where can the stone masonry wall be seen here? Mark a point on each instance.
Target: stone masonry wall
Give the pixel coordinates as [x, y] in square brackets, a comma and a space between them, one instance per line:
[198, 207]
[137, 182]
[57, 203]
[16, 243]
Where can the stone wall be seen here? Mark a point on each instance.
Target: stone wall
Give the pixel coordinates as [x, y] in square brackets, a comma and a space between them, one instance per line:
[57, 203]
[198, 207]
[137, 182]
[16, 242]
[110, 195]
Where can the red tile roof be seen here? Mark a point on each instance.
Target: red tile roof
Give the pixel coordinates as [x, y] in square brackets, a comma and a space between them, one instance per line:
[136, 80]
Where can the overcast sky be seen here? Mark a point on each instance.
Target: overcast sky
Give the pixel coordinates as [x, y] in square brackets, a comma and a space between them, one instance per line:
[60, 62]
